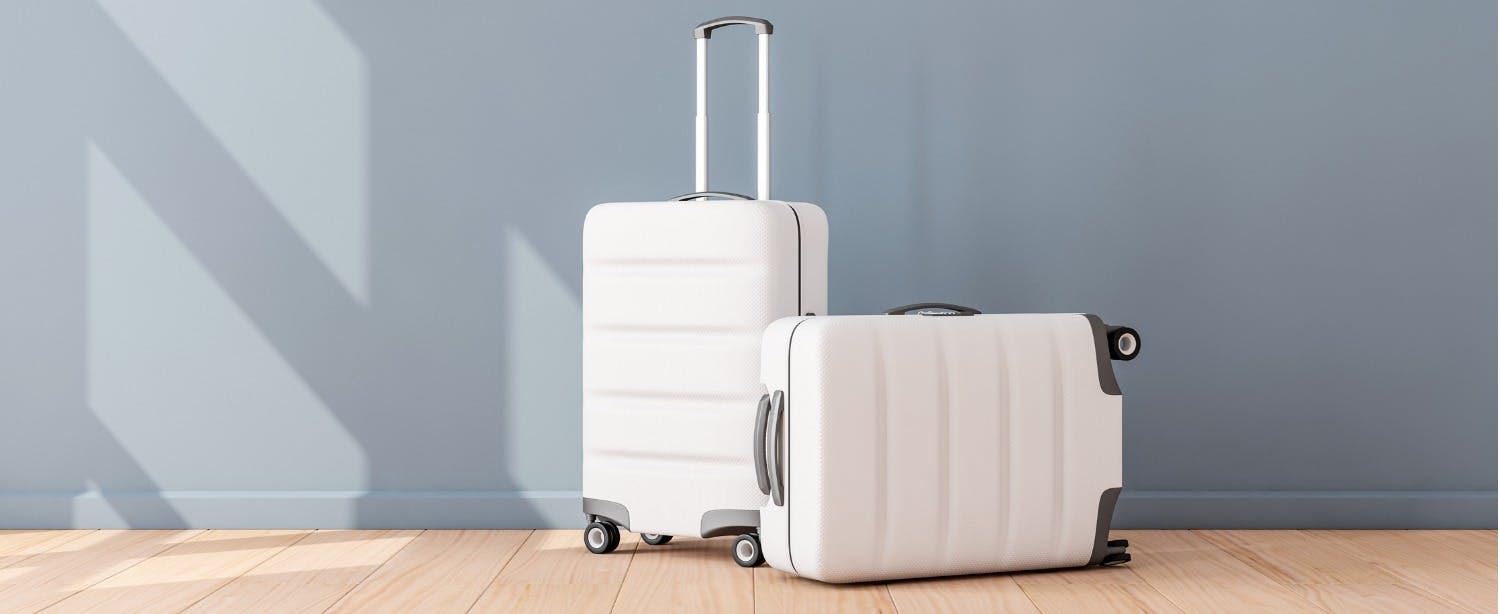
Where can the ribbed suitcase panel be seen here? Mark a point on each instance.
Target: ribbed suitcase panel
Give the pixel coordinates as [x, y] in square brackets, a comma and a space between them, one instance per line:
[676, 297]
[925, 446]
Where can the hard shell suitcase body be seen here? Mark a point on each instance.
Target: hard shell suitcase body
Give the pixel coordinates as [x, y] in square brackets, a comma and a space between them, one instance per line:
[939, 444]
[676, 295]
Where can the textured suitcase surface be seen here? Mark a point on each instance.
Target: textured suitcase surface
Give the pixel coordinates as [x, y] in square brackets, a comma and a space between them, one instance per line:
[921, 445]
[676, 296]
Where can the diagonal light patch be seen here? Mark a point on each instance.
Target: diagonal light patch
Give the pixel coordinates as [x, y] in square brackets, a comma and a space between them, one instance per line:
[283, 88]
[179, 374]
[544, 358]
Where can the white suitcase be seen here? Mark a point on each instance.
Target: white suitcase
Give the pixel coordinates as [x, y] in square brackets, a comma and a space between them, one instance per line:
[937, 444]
[676, 296]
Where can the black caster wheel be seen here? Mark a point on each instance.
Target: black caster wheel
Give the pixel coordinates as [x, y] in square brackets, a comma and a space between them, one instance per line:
[1119, 558]
[1124, 343]
[601, 537]
[655, 539]
[747, 550]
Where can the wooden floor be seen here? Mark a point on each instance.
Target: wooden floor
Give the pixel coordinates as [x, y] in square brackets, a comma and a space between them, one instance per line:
[526, 571]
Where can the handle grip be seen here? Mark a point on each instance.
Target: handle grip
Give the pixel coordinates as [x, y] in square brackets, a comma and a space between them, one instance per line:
[706, 29]
[958, 310]
[758, 447]
[773, 446]
[697, 195]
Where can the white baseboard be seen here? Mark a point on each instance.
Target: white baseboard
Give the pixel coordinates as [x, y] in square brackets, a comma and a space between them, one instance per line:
[292, 509]
[1279, 509]
[1139, 509]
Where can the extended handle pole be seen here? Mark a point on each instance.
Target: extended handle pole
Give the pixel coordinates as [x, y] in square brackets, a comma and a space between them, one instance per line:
[700, 133]
[702, 33]
[763, 121]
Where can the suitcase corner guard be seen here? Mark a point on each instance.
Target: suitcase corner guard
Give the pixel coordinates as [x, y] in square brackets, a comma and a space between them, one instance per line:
[718, 523]
[608, 510]
[1108, 551]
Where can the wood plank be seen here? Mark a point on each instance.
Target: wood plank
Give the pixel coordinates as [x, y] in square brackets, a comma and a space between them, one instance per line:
[48, 577]
[687, 575]
[1295, 557]
[1359, 598]
[175, 578]
[987, 593]
[1088, 598]
[776, 591]
[1337, 571]
[1324, 572]
[1425, 565]
[1479, 546]
[553, 572]
[1118, 575]
[310, 575]
[16, 546]
[439, 571]
[1200, 577]
[1092, 589]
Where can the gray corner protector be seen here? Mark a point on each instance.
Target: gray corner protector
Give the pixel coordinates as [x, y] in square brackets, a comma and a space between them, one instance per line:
[706, 29]
[608, 510]
[718, 523]
[1107, 381]
[1107, 501]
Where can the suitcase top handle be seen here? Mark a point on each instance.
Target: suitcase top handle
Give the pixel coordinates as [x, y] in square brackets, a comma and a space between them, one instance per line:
[724, 195]
[701, 34]
[928, 309]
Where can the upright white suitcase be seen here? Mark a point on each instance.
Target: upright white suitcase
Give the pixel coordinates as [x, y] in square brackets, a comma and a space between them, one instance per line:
[676, 295]
[937, 444]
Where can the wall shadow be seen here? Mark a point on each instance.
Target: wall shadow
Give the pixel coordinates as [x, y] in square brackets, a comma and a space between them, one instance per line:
[1159, 164]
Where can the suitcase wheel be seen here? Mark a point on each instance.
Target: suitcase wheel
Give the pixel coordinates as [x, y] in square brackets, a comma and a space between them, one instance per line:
[1119, 558]
[1124, 343]
[655, 539]
[601, 537]
[747, 550]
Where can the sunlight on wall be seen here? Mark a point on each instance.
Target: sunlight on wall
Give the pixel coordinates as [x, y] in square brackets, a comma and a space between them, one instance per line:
[179, 374]
[544, 397]
[285, 92]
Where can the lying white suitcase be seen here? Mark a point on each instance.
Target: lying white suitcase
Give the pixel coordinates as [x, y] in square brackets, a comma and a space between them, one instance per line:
[938, 444]
[676, 296]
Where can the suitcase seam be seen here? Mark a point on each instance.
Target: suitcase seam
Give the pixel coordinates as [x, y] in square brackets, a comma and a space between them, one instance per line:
[797, 219]
[787, 484]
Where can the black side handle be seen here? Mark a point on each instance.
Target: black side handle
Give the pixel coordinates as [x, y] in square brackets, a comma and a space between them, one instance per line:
[958, 310]
[706, 29]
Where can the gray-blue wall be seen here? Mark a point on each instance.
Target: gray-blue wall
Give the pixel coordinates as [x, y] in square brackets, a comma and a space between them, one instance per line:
[317, 264]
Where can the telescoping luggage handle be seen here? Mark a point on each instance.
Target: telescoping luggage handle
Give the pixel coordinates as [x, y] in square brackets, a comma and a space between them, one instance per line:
[701, 34]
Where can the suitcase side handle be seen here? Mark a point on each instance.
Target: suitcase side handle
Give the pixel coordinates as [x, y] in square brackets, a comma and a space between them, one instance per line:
[922, 309]
[701, 35]
[773, 446]
[758, 446]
